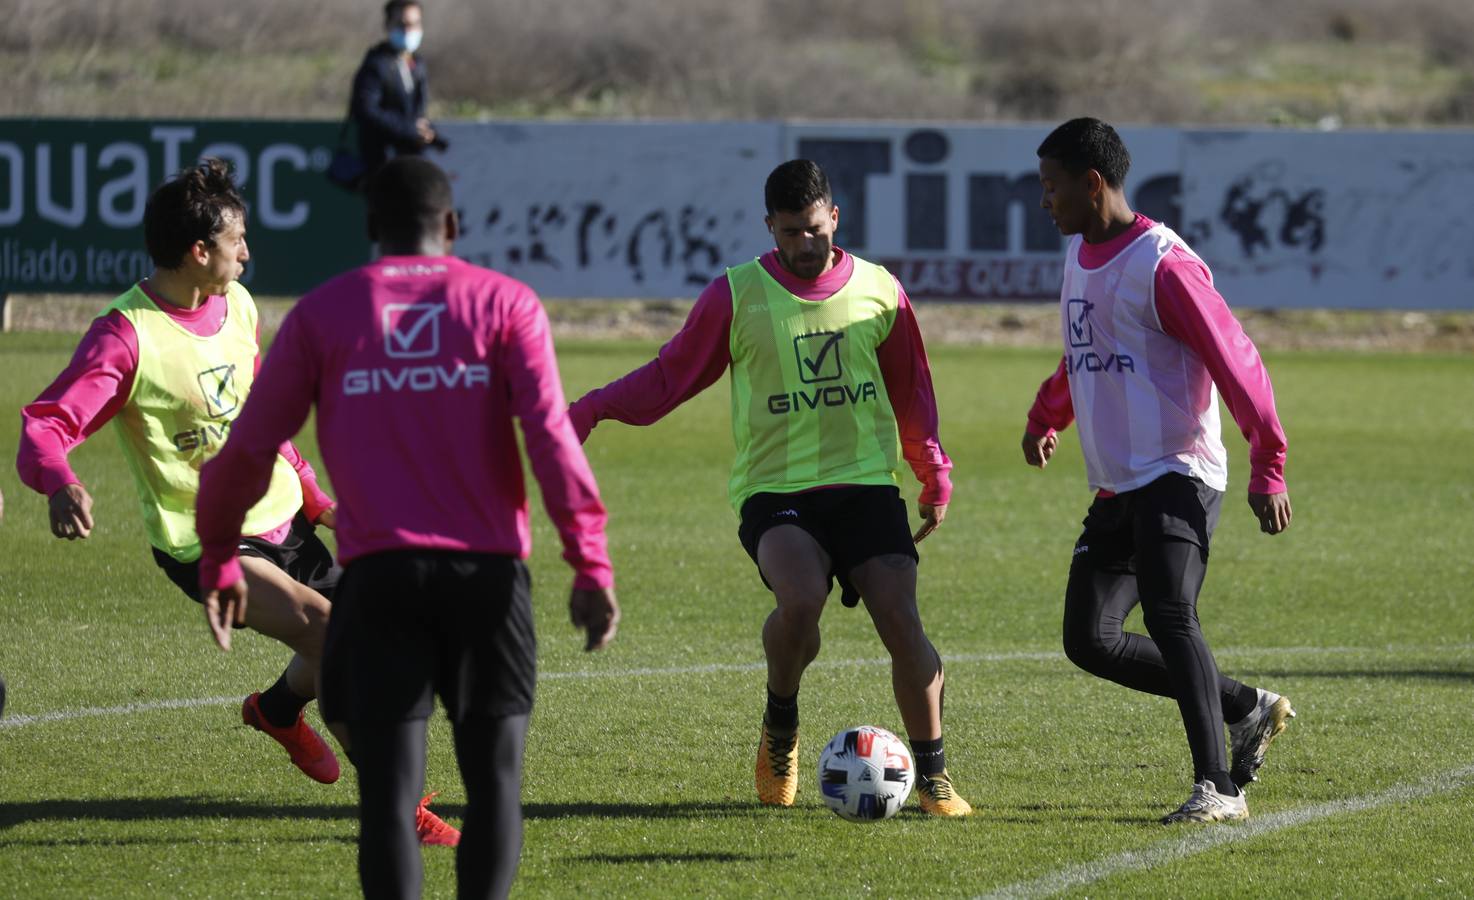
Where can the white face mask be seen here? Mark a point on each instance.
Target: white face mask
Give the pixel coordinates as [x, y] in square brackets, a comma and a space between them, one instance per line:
[407, 41]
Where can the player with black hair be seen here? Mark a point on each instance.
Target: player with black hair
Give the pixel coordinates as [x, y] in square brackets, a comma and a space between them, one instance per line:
[170, 363]
[830, 393]
[418, 363]
[1149, 344]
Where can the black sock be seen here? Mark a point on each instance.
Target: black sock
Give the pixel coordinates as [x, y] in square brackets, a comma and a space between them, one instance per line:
[1223, 784]
[931, 759]
[280, 704]
[1239, 704]
[782, 711]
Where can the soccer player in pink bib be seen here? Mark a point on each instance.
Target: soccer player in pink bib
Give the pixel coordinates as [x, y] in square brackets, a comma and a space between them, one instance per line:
[1149, 345]
[418, 363]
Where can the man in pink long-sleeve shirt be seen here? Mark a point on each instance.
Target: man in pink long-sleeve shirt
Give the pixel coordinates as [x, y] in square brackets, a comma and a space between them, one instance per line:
[830, 392]
[417, 364]
[1149, 343]
[168, 363]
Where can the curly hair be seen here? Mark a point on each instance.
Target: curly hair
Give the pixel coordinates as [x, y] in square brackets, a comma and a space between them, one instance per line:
[192, 206]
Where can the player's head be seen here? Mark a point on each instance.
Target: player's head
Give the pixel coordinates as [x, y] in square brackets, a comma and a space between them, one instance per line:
[801, 216]
[195, 223]
[1080, 164]
[410, 208]
[404, 24]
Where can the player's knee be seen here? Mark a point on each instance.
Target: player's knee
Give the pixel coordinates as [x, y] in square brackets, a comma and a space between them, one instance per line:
[1170, 619]
[1086, 649]
[898, 622]
[799, 609]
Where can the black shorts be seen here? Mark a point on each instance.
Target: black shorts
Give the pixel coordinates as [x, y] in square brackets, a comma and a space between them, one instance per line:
[410, 624]
[1175, 506]
[853, 523]
[302, 555]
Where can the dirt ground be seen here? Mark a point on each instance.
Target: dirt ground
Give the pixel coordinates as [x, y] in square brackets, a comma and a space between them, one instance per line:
[980, 324]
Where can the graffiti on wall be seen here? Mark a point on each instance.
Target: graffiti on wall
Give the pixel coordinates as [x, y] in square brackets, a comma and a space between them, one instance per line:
[687, 244]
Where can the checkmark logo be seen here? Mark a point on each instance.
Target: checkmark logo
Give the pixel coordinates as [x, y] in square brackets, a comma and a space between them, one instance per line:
[412, 330]
[1077, 315]
[818, 356]
[218, 387]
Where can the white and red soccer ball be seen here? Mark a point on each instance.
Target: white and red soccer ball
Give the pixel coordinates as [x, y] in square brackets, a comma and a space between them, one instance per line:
[866, 774]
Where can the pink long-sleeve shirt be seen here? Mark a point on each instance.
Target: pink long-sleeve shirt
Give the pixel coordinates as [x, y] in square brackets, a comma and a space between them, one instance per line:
[95, 386]
[417, 366]
[1193, 311]
[700, 352]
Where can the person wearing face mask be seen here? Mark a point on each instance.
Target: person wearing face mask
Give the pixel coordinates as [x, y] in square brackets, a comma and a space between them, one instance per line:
[390, 94]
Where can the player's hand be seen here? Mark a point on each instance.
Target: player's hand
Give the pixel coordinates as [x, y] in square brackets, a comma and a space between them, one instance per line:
[581, 419]
[225, 608]
[597, 612]
[1038, 448]
[328, 518]
[932, 515]
[427, 133]
[1272, 510]
[71, 512]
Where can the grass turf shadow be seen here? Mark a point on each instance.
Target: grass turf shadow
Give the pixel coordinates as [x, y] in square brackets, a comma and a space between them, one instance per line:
[132, 809]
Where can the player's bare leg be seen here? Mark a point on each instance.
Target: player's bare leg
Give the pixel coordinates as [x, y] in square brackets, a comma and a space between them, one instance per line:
[296, 615]
[888, 586]
[797, 568]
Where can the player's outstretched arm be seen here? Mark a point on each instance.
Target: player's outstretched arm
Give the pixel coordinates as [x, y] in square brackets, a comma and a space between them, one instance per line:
[1272, 510]
[690, 362]
[71, 512]
[596, 611]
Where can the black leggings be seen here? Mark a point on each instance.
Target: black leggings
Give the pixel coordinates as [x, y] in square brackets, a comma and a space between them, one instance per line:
[390, 757]
[1127, 556]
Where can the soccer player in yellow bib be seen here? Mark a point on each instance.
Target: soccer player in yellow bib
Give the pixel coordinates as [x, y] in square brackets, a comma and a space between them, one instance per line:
[830, 392]
[170, 363]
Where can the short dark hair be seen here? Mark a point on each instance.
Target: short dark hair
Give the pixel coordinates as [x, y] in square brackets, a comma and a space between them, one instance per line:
[408, 197]
[795, 186]
[191, 206]
[393, 8]
[1082, 144]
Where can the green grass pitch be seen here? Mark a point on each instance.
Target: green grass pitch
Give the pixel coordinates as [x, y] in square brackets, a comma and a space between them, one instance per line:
[639, 763]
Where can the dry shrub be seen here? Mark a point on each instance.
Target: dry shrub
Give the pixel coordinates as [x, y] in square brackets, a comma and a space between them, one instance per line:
[969, 59]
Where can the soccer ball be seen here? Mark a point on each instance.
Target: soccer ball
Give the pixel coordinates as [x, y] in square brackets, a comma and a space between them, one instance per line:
[866, 774]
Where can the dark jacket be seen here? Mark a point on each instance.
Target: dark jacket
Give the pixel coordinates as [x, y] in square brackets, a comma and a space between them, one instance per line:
[382, 110]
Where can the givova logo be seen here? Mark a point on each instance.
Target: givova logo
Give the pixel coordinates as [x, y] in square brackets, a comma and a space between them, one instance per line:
[818, 364]
[1077, 316]
[218, 387]
[818, 356]
[412, 330]
[1081, 334]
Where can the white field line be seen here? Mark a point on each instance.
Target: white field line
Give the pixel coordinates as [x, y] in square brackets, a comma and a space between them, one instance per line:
[709, 668]
[1202, 838]
[128, 709]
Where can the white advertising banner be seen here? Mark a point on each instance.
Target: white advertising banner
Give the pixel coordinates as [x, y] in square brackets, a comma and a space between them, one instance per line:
[611, 209]
[954, 211]
[1341, 219]
[1285, 218]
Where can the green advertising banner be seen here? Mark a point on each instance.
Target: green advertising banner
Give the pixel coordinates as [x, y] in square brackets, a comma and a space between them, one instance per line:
[72, 194]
